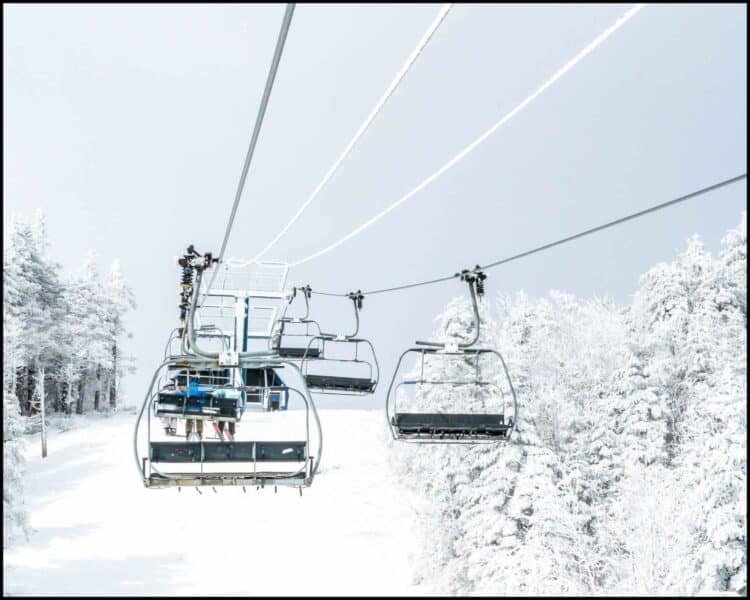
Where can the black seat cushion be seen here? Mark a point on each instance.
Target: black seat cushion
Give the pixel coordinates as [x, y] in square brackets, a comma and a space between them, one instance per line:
[188, 452]
[452, 424]
[228, 407]
[298, 352]
[331, 382]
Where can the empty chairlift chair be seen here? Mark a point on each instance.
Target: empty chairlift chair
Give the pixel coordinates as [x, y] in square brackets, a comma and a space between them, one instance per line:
[294, 334]
[354, 371]
[265, 389]
[450, 399]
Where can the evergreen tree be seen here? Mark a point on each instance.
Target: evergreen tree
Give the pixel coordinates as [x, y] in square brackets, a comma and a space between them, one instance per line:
[119, 300]
[88, 331]
[628, 472]
[34, 304]
[14, 513]
[62, 340]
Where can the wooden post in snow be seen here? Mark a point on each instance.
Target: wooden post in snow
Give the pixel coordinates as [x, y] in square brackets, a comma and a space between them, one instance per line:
[113, 383]
[42, 409]
[44, 428]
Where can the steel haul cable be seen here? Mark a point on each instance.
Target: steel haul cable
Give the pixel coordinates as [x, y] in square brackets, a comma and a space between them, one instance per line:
[370, 118]
[559, 242]
[256, 132]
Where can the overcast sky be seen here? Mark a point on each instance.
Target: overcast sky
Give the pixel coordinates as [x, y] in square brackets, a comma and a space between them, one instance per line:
[128, 125]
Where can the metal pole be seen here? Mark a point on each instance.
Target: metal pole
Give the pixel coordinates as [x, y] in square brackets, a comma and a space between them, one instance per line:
[44, 421]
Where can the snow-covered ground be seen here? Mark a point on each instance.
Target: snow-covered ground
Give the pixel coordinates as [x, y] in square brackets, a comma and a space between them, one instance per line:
[99, 531]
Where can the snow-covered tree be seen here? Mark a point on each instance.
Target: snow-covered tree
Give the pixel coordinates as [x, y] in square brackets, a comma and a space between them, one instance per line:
[88, 332]
[628, 472]
[34, 306]
[733, 261]
[62, 339]
[119, 300]
[713, 463]
[14, 513]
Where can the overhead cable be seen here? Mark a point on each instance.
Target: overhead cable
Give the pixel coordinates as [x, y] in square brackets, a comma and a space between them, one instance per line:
[370, 118]
[256, 131]
[559, 242]
[452, 162]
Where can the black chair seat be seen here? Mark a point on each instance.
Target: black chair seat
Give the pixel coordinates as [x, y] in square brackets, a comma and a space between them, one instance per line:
[193, 452]
[440, 424]
[170, 405]
[298, 352]
[330, 382]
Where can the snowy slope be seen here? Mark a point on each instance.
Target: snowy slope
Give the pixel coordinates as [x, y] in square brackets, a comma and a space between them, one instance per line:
[99, 531]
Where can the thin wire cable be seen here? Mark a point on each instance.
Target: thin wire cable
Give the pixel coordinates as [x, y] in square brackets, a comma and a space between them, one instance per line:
[569, 65]
[280, 41]
[564, 240]
[616, 222]
[370, 118]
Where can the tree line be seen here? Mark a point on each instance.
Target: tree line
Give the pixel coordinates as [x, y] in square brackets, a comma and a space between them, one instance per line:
[628, 471]
[62, 335]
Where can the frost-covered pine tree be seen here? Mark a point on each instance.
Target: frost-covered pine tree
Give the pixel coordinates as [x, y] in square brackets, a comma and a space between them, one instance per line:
[713, 464]
[35, 305]
[572, 350]
[733, 261]
[12, 326]
[639, 404]
[61, 339]
[50, 351]
[14, 514]
[662, 319]
[119, 300]
[88, 334]
[508, 518]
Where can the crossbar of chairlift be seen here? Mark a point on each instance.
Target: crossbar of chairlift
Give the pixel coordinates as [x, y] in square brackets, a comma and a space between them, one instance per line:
[259, 478]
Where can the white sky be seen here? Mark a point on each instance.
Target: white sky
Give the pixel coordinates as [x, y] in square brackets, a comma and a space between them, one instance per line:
[128, 125]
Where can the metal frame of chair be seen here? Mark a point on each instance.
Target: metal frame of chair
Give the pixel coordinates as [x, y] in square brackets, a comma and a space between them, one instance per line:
[452, 427]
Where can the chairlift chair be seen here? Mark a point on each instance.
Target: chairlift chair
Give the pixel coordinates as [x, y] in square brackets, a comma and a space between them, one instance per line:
[210, 462]
[354, 374]
[205, 394]
[297, 329]
[453, 426]
[265, 389]
[199, 384]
